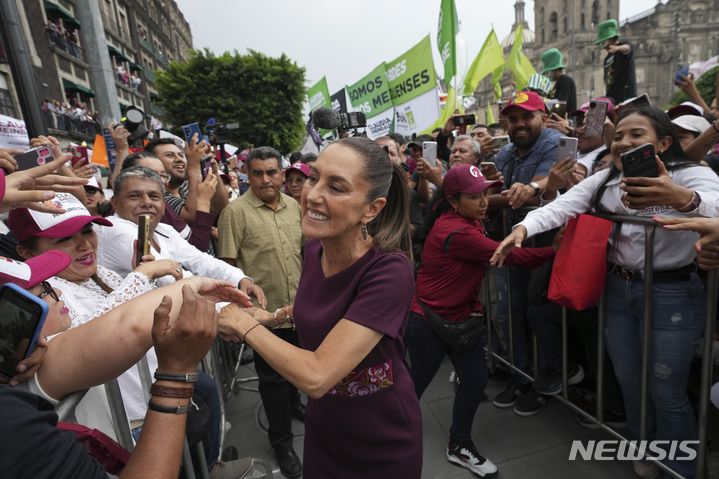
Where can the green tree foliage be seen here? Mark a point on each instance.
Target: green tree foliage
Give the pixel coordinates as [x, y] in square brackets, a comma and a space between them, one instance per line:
[264, 95]
[706, 84]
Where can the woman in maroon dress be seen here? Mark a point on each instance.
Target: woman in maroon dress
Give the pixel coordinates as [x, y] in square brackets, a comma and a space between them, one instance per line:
[363, 417]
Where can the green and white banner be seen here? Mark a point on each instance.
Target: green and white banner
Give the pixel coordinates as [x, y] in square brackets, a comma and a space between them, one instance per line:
[318, 95]
[371, 96]
[413, 88]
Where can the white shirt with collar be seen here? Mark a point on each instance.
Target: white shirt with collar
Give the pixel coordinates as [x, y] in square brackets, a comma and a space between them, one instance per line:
[115, 252]
[587, 159]
[672, 249]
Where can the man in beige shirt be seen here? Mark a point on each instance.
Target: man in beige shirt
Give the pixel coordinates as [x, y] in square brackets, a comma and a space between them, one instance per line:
[260, 232]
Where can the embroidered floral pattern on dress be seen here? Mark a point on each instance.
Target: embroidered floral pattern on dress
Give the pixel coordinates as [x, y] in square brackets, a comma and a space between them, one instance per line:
[365, 381]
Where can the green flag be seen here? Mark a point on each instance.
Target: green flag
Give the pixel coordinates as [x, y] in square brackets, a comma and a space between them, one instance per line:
[318, 95]
[496, 78]
[489, 59]
[446, 38]
[518, 62]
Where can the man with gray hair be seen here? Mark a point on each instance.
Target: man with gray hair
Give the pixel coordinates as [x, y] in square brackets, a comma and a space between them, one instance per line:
[139, 191]
[464, 151]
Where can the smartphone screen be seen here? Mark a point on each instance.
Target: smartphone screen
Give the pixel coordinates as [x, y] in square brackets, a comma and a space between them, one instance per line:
[595, 118]
[143, 237]
[464, 120]
[205, 166]
[429, 152]
[190, 130]
[22, 317]
[640, 161]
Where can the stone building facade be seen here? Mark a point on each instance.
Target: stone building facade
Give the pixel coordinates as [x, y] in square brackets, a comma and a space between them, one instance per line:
[672, 33]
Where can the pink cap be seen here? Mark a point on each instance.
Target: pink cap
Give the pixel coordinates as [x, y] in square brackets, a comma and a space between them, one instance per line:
[25, 223]
[301, 167]
[34, 270]
[526, 100]
[466, 179]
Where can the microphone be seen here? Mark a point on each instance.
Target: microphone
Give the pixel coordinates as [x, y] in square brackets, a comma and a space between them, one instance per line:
[326, 118]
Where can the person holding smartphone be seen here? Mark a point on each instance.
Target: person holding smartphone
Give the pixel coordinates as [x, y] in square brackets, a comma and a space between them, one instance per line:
[681, 189]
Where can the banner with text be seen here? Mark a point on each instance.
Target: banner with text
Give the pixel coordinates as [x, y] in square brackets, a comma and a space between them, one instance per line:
[13, 133]
[413, 88]
[371, 96]
[318, 95]
[339, 101]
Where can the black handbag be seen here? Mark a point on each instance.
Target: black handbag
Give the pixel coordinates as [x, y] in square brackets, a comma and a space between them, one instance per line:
[459, 335]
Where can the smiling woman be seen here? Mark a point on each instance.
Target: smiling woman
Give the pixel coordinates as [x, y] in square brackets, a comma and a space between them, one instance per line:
[681, 189]
[351, 312]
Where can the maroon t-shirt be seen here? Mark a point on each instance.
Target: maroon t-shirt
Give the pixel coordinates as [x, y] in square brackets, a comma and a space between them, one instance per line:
[454, 259]
[370, 424]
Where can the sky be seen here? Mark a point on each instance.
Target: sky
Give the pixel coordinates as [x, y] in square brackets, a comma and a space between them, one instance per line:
[344, 40]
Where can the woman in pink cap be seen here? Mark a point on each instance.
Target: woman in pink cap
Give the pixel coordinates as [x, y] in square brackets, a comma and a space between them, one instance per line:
[295, 178]
[446, 317]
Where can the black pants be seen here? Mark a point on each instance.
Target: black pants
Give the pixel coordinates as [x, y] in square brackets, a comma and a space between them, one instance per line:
[278, 395]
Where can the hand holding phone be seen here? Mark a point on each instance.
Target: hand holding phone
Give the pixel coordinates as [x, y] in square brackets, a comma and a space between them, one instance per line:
[464, 120]
[567, 148]
[22, 316]
[489, 169]
[499, 142]
[205, 166]
[595, 118]
[190, 130]
[34, 157]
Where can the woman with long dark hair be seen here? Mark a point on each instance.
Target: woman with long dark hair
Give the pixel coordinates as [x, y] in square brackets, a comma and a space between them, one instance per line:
[682, 189]
[363, 417]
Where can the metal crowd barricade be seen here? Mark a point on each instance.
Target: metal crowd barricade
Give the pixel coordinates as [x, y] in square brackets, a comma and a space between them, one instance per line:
[712, 295]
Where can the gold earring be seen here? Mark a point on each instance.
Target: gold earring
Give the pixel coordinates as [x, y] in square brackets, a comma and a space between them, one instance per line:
[365, 233]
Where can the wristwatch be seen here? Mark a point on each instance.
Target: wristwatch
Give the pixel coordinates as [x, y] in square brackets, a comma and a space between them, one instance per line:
[176, 377]
[535, 186]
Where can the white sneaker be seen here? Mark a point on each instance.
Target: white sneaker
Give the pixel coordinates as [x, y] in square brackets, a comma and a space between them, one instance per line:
[466, 455]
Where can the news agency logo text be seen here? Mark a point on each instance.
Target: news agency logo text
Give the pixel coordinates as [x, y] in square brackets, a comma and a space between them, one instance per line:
[616, 450]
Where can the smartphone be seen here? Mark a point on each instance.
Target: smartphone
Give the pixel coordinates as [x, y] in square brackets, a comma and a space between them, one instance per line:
[33, 157]
[681, 73]
[205, 166]
[143, 237]
[500, 142]
[488, 168]
[596, 115]
[79, 154]
[640, 161]
[636, 102]
[22, 316]
[567, 147]
[190, 130]
[558, 107]
[429, 151]
[464, 120]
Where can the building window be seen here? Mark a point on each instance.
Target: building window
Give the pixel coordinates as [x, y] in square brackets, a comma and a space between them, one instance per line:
[584, 21]
[553, 27]
[595, 12]
[6, 106]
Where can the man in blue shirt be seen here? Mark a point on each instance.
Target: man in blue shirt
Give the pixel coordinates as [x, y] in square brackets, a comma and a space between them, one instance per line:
[523, 163]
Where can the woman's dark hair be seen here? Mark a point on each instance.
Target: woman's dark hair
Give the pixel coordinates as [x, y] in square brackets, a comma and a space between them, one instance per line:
[390, 228]
[673, 157]
[439, 204]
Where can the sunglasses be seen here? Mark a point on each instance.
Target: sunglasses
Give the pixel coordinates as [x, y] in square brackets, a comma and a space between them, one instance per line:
[48, 290]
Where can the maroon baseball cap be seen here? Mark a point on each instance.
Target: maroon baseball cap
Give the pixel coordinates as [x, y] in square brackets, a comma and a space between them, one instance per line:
[34, 270]
[526, 100]
[301, 167]
[466, 179]
[25, 223]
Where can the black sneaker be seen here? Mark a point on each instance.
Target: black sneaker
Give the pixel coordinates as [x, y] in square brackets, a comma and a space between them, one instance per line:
[551, 384]
[530, 403]
[611, 419]
[510, 395]
[466, 455]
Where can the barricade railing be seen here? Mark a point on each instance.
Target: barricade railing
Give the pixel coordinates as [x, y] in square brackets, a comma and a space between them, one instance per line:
[712, 295]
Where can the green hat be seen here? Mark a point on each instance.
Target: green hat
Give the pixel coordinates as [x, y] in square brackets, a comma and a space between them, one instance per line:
[606, 30]
[551, 60]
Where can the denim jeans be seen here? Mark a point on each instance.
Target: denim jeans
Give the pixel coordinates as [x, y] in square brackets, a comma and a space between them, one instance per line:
[426, 351]
[677, 325]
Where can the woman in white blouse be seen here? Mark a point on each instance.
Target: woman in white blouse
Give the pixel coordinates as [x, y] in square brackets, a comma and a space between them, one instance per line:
[682, 189]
